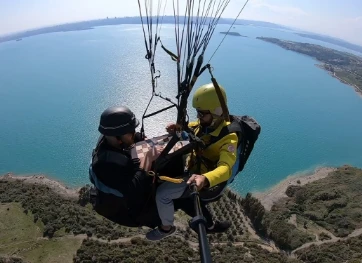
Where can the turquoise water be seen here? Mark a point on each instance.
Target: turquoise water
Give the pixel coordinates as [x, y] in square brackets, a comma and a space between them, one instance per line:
[54, 87]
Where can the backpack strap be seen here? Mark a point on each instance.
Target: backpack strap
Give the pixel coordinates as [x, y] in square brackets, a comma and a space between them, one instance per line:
[248, 131]
[101, 186]
[234, 126]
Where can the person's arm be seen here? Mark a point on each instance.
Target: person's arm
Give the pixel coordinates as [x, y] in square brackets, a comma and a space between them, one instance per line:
[193, 124]
[172, 127]
[227, 159]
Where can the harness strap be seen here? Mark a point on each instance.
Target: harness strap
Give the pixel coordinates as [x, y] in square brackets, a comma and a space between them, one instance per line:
[108, 156]
[99, 185]
[166, 178]
[232, 127]
[225, 110]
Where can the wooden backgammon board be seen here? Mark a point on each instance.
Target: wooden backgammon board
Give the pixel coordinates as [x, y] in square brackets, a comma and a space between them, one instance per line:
[148, 150]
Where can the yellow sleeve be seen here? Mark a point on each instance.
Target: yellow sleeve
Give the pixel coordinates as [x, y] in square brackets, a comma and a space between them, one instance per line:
[227, 159]
[193, 124]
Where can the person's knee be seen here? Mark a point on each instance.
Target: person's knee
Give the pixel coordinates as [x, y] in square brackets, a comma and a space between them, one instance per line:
[168, 192]
[163, 198]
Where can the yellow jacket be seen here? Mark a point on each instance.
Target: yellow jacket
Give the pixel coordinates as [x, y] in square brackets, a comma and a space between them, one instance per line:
[222, 153]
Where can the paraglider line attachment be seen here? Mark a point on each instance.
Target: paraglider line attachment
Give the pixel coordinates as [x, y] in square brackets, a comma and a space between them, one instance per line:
[158, 74]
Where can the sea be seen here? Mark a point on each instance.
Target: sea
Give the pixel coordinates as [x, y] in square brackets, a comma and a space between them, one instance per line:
[54, 87]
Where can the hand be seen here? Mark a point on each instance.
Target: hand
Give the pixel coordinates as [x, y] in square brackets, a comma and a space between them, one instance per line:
[171, 128]
[200, 180]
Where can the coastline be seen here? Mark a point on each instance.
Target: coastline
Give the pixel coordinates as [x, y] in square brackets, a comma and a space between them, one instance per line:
[327, 59]
[267, 197]
[356, 89]
[58, 187]
[275, 193]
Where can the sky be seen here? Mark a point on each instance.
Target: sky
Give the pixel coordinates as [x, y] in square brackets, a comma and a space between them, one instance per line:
[338, 18]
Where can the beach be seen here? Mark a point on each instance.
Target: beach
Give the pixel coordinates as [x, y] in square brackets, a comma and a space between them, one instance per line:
[272, 195]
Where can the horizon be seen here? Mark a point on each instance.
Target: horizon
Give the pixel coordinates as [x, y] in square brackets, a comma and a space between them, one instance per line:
[329, 18]
[119, 17]
[239, 19]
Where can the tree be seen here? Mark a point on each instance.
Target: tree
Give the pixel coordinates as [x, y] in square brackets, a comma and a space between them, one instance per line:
[84, 197]
[49, 231]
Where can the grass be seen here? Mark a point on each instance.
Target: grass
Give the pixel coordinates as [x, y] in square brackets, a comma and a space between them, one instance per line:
[20, 236]
[16, 228]
[53, 250]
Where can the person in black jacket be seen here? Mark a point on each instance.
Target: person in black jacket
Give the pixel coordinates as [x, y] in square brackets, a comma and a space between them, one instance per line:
[123, 189]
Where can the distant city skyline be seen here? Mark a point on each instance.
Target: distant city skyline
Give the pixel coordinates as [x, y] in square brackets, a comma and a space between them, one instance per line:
[342, 19]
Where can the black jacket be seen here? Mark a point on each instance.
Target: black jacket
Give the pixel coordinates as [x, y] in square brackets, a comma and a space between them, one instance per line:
[123, 175]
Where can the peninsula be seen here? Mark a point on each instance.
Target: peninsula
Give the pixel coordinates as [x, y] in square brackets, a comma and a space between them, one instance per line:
[342, 65]
[332, 40]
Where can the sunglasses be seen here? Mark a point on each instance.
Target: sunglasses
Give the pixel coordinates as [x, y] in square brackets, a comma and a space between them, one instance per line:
[202, 113]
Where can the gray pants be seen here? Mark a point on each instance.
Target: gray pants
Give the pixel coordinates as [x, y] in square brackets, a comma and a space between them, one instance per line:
[166, 192]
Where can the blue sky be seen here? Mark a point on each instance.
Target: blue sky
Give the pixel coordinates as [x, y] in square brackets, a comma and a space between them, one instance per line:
[339, 18]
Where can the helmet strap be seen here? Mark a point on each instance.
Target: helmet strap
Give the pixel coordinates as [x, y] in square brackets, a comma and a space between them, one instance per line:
[217, 120]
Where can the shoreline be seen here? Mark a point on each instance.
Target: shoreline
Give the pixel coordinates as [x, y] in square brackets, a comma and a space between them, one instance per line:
[267, 197]
[57, 186]
[276, 192]
[356, 88]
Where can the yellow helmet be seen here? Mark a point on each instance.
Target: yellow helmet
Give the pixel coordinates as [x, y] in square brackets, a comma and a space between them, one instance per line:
[206, 99]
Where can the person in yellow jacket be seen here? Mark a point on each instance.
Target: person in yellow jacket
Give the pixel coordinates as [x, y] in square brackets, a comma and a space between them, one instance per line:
[218, 159]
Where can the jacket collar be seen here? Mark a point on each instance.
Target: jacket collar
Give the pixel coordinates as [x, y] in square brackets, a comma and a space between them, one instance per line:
[214, 132]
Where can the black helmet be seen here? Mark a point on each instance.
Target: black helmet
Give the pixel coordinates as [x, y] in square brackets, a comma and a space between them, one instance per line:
[117, 121]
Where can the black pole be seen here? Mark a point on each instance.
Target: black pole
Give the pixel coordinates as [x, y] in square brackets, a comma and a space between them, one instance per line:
[199, 223]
